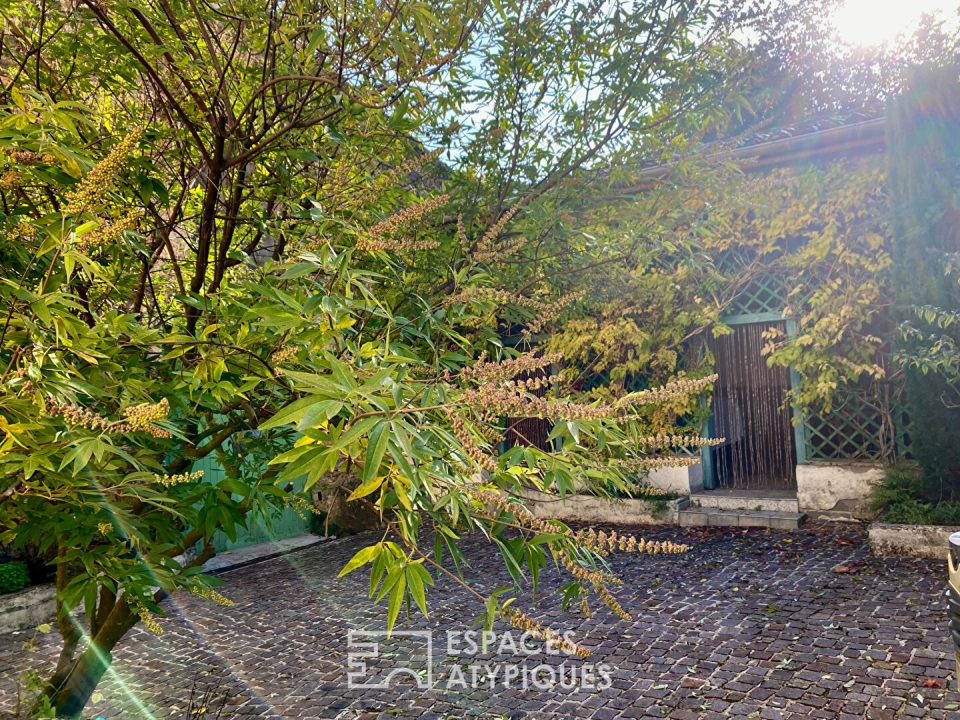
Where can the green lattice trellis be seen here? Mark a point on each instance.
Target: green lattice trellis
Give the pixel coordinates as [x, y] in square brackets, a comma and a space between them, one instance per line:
[764, 293]
[859, 427]
[864, 424]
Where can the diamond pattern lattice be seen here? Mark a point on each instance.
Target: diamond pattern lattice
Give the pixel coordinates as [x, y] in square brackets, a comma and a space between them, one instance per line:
[859, 427]
[764, 293]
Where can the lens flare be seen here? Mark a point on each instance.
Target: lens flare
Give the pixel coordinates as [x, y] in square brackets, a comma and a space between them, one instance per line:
[879, 22]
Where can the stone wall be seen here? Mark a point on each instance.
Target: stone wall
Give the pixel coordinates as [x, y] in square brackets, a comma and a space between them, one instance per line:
[837, 491]
[27, 608]
[926, 541]
[678, 480]
[598, 510]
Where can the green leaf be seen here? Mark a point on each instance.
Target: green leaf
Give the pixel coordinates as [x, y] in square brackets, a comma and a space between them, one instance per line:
[415, 583]
[362, 557]
[397, 593]
[294, 412]
[366, 488]
[376, 447]
[354, 432]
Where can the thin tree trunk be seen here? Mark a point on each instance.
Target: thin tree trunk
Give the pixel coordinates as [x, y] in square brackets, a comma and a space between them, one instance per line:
[213, 177]
[72, 695]
[68, 629]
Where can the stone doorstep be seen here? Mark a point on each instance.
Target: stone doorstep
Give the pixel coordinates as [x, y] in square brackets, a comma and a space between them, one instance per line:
[778, 520]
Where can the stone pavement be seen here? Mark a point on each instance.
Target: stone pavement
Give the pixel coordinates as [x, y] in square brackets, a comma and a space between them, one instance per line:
[749, 624]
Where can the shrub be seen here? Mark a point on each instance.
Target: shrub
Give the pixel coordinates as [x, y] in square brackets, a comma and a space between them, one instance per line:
[901, 499]
[13, 576]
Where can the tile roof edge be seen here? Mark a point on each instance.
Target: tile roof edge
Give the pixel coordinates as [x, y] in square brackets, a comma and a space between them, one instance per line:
[864, 137]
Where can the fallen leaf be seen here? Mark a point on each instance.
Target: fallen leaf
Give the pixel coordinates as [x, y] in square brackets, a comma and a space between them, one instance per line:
[841, 569]
[930, 683]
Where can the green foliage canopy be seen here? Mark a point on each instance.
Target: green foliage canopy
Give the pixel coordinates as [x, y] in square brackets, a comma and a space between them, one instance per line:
[235, 237]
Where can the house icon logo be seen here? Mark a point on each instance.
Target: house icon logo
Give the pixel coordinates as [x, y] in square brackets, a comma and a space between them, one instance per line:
[377, 661]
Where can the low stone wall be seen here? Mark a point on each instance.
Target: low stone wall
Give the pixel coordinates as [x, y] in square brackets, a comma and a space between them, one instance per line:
[837, 491]
[925, 541]
[599, 510]
[27, 608]
[677, 480]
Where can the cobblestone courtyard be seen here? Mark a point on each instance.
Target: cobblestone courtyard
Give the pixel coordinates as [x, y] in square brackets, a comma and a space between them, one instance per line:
[748, 624]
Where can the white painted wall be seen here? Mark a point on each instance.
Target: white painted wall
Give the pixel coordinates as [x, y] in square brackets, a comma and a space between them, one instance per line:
[837, 490]
[679, 480]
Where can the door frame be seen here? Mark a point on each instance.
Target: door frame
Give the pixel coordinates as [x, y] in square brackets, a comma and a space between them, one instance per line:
[799, 434]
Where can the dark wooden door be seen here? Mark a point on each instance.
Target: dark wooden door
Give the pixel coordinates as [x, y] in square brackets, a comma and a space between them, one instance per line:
[751, 413]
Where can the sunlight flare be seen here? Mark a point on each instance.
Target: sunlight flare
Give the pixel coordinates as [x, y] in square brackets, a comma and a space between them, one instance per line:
[878, 22]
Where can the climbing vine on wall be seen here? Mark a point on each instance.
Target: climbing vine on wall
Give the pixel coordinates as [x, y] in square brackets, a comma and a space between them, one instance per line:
[809, 242]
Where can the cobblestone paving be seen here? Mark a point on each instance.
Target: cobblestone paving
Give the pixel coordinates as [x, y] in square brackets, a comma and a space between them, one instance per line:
[749, 624]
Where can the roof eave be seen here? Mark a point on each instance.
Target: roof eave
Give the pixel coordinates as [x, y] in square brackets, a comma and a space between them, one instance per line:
[853, 140]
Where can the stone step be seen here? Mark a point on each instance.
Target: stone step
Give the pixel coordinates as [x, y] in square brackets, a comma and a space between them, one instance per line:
[778, 520]
[745, 502]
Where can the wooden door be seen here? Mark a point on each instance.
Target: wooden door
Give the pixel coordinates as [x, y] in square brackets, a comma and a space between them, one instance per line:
[751, 413]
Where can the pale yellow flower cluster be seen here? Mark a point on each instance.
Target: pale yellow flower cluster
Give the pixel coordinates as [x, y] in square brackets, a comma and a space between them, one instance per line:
[552, 638]
[603, 543]
[533, 384]
[283, 354]
[496, 401]
[106, 234]
[676, 389]
[80, 416]
[545, 310]
[486, 371]
[657, 462]
[482, 294]
[300, 505]
[91, 191]
[650, 491]
[211, 595]
[10, 180]
[487, 249]
[23, 230]
[390, 177]
[469, 445]
[660, 442]
[382, 235]
[178, 479]
[149, 622]
[27, 157]
[140, 416]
